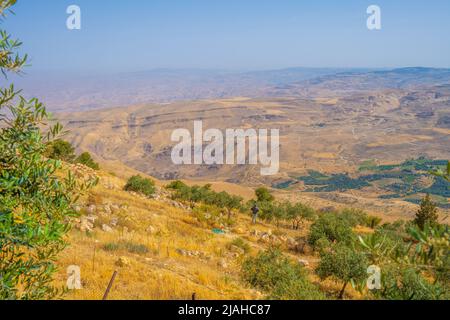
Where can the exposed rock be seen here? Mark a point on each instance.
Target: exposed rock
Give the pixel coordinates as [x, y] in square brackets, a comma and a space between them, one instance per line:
[150, 230]
[303, 262]
[91, 218]
[198, 254]
[122, 262]
[92, 209]
[114, 221]
[222, 263]
[237, 250]
[107, 209]
[85, 225]
[107, 228]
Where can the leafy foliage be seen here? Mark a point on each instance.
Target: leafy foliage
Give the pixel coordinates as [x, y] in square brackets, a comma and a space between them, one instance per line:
[204, 194]
[342, 264]
[427, 213]
[86, 159]
[60, 150]
[275, 274]
[141, 185]
[414, 265]
[332, 228]
[263, 195]
[35, 204]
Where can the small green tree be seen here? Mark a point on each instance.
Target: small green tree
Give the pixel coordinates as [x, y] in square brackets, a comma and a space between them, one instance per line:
[140, 185]
[280, 278]
[60, 150]
[263, 195]
[443, 174]
[331, 228]
[86, 159]
[298, 213]
[427, 213]
[342, 264]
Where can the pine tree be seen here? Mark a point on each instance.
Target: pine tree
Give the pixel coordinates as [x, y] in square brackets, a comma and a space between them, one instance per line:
[427, 213]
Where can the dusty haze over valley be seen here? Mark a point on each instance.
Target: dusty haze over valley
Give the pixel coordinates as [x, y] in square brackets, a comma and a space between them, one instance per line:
[331, 121]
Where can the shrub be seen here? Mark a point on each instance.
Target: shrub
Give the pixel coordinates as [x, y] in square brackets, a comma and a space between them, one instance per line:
[354, 217]
[331, 227]
[210, 216]
[408, 284]
[263, 195]
[60, 150]
[342, 264]
[135, 248]
[129, 246]
[240, 243]
[141, 185]
[427, 213]
[111, 246]
[86, 159]
[176, 185]
[273, 273]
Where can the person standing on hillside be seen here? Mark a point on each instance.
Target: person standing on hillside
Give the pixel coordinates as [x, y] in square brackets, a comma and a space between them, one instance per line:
[255, 211]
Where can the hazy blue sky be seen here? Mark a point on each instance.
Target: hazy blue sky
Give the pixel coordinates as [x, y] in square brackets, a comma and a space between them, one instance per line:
[237, 34]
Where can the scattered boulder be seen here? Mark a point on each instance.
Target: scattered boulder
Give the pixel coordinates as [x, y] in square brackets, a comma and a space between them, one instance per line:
[92, 209]
[303, 262]
[107, 228]
[84, 225]
[114, 208]
[114, 221]
[150, 230]
[237, 250]
[222, 263]
[107, 209]
[122, 262]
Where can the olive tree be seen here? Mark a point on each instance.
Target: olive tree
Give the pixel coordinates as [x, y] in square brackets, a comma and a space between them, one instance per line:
[35, 203]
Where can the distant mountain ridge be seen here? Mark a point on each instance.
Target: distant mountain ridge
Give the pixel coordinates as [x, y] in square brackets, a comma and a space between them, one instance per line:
[78, 93]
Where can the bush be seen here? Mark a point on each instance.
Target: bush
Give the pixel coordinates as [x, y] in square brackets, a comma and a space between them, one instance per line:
[240, 243]
[129, 246]
[342, 264]
[136, 248]
[354, 217]
[281, 279]
[204, 195]
[141, 185]
[331, 227]
[408, 284]
[86, 159]
[111, 246]
[210, 216]
[176, 185]
[427, 214]
[263, 195]
[60, 150]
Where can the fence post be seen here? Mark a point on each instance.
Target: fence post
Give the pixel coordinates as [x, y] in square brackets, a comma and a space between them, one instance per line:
[105, 296]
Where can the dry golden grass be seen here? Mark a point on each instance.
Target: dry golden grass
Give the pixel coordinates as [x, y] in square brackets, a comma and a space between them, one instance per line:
[152, 237]
[160, 271]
